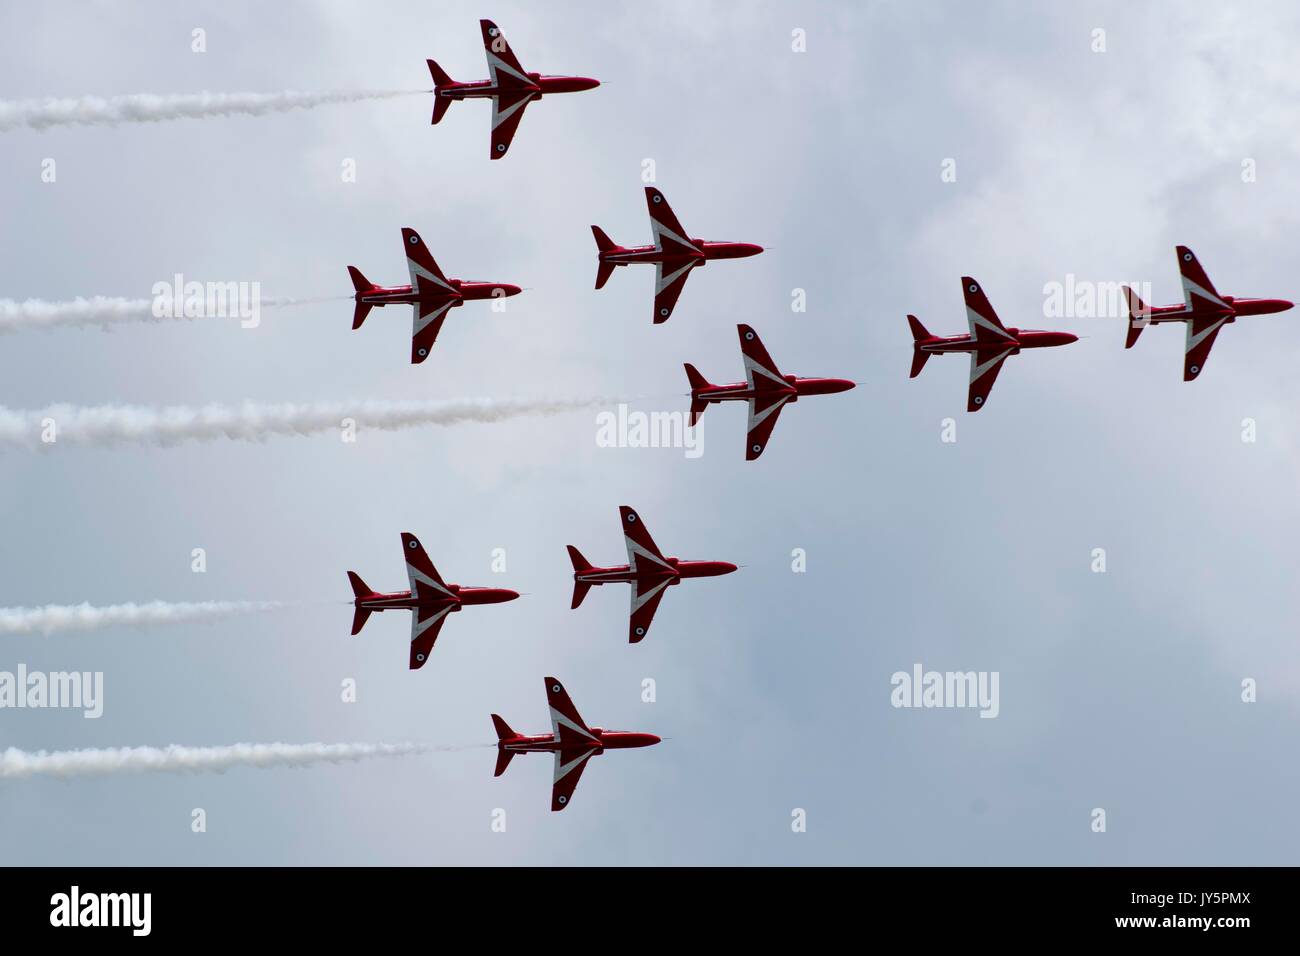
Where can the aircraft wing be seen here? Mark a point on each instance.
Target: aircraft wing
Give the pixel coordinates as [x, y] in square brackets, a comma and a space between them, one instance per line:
[647, 592]
[760, 371]
[1201, 334]
[567, 725]
[670, 279]
[763, 412]
[984, 368]
[426, 622]
[503, 66]
[507, 111]
[666, 232]
[427, 279]
[1199, 293]
[568, 770]
[426, 323]
[420, 572]
[642, 552]
[985, 326]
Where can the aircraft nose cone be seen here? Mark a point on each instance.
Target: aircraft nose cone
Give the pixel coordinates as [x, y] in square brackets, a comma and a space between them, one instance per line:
[508, 595]
[509, 290]
[652, 739]
[727, 567]
[751, 249]
[1068, 337]
[1286, 304]
[587, 83]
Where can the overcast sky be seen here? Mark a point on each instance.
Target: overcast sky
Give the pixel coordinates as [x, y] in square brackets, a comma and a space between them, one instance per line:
[1119, 691]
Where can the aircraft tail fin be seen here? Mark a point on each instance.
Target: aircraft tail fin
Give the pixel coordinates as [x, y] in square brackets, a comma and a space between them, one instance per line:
[919, 334]
[603, 244]
[698, 381]
[503, 733]
[361, 284]
[1139, 316]
[580, 564]
[440, 79]
[359, 587]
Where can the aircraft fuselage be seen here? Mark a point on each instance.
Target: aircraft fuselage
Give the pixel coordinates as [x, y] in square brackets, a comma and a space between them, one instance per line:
[605, 740]
[622, 573]
[539, 87]
[629, 255]
[1023, 339]
[1238, 306]
[463, 291]
[461, 596]
[740, 391]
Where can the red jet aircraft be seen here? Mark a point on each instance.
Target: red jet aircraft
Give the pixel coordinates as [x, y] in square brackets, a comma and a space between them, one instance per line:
[673, 254]
[429, 600]
[647, 570]
[430, 293]
[510, 88]
[571, 740]
[989, 343]
[765, 388]
[1203, 309]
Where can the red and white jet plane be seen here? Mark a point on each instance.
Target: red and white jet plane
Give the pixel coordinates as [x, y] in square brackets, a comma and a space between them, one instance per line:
[430, 293]
[989, 343]
[570, 739]
[429, 600]
[765, 388]
[647, 570]
[673, 254]
[1203, 310]
[509, 88]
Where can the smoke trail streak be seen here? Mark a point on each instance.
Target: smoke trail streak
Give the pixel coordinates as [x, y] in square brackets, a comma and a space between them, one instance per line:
[153, 108]
[16, 763]
[55, 618]
[107, 311]
[106, 425]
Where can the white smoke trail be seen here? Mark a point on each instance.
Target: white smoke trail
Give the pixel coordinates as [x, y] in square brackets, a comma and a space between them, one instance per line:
[106, 311]
[54, 618]
[121, 424]
[16, 763]
[152, 108]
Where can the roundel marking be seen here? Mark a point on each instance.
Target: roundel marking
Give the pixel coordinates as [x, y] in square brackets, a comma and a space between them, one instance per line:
[631, 517]
[1194, 369]
[424, 352]
[493, 31]
[414, 544]
[663, 311]
[657, 198]
[501, 147]
[419, 657]
[563, 799]
[973, 287]
[640, 631]
[1187, 257]
[979, 400]
[749, 336]
[414, 240]
[757, 449]
[555, 688]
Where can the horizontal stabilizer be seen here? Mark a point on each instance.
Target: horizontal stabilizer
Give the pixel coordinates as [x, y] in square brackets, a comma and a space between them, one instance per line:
[603, 271]
[359, 618]
[359, 314]
[919, 358]
[1139, 316]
